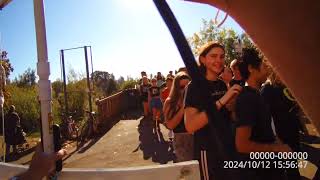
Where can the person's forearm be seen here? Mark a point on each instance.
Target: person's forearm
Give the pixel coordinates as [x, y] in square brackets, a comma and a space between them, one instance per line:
[219, 104]
[175, 120]
[196, 121]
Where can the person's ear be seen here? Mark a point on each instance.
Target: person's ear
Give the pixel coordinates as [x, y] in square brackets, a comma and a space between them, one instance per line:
[202, 60]
[250, 69]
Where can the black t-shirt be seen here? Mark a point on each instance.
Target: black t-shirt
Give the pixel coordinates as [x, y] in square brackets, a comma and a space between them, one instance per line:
[216, 137]
[284, 110]
[217, 89]
[144, 88]
[252, 110]
[154, 91]
[239, 82]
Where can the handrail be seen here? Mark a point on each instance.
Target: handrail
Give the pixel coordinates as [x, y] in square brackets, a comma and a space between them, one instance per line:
[115, 104]
[188, 170]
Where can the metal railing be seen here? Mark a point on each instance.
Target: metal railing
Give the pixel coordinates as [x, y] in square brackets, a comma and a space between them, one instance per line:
[116, 104]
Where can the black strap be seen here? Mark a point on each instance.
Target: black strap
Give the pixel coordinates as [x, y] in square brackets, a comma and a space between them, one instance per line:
[179, 39]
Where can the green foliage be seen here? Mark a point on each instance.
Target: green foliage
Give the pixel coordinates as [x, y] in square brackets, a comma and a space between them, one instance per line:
[130, 83]
[26, 103]
[105, 82]
[228, 37]
[57, 88]
[72, 76]
[22, 93]
[6, 63]
[57, 109]
[120, 80]
[77, 96]
[247, 41]
[27, 79]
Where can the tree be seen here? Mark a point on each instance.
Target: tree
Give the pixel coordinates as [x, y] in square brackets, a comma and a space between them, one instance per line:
[120, 80]
[6, 63]
[105, 82]
[72, 76]
[27, 79]
[228, 37]
[26, 103]
[57, 88]
[128, 84]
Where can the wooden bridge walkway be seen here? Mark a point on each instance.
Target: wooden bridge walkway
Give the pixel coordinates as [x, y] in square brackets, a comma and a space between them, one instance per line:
[130, 143]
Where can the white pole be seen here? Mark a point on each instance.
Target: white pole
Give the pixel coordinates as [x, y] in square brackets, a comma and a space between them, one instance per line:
[3, 129]
[43, 70]
[2, 85]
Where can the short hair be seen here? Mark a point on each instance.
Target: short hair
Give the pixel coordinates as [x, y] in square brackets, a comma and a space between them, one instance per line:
[169, 78]
[250, 56]
[182, 69]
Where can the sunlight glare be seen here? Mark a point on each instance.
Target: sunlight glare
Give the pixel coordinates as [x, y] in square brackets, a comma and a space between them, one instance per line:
[135, 4]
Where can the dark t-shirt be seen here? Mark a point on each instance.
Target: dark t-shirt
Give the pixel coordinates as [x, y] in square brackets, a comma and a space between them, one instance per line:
[216, 137]
[239, 82]
[217, 89]
[284, 110]
[252, 110]
[154, 91]
[144, 88]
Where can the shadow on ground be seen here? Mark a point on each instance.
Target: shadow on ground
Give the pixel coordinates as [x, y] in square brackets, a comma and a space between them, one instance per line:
[14, 157]
[152, 143]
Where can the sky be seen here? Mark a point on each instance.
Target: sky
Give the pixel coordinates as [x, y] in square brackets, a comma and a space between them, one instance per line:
[126, 36]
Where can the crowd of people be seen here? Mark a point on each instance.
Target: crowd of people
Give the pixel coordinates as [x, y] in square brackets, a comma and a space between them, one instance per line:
[237, 110]
[244, 108]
